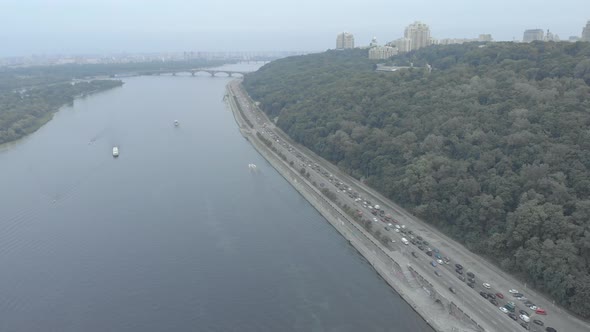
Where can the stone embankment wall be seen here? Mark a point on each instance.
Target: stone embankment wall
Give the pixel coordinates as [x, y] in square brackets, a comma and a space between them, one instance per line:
[397, 272]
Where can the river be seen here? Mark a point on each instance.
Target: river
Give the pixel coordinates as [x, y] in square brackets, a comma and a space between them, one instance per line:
[177, 234]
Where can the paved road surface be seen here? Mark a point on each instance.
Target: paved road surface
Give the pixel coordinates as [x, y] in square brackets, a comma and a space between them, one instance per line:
[328, 176]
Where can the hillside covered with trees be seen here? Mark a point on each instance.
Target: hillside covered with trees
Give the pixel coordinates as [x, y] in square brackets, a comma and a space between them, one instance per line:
[492, 146]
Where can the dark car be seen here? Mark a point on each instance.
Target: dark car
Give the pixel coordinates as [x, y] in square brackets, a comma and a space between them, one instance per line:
[538, 322]
[414, 254]
[429, 253]
[459, 271]
[483, 294]
[470, 275]
[452, 290]
[491, 296]
[550, 329]
[493, 301]
[437, 273]
[425, 243]
[459, 266]
[421, 247]
[513, 316]
[420, 238]
[518, 295]
[462, 278]
[471, 280]
[522, 312]
[525, 325]
[472, 285]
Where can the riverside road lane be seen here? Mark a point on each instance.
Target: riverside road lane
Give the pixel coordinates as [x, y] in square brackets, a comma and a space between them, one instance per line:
[466, 297]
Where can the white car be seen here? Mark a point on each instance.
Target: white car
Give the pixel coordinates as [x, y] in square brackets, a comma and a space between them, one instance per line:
[397, 226]
[486, 285]
[525, 318]
[512, 291]
[504, 310]
[533, 307]
[397, 230]
[389, 224]
[403, 226]
[439, 261]
[375, 220]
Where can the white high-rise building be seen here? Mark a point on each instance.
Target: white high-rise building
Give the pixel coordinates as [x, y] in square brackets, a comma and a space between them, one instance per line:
[402, 44]
[382, 52]
[344, 40]
[532, 35]
[586, 33]
[419, 34]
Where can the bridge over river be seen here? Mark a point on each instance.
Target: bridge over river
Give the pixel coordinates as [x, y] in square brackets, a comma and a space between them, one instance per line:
[194, 71]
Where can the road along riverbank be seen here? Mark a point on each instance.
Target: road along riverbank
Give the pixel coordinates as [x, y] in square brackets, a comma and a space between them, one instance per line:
[415, 285]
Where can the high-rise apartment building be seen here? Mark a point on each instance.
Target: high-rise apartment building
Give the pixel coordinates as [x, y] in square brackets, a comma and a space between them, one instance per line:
[419, 34]
[586, 32]
[532, 35]
[382, 52]
[344, 40]
[402, 44]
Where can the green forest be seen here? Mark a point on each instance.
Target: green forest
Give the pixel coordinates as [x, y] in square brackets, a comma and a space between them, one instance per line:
[492, 146]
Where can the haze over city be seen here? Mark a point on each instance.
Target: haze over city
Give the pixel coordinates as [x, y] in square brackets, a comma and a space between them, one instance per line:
[110, 26]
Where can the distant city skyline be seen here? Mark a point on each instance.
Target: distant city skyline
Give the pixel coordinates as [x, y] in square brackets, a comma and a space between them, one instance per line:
[138, 26]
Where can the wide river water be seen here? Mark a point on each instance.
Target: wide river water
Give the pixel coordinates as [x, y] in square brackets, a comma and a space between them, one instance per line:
[177, 234]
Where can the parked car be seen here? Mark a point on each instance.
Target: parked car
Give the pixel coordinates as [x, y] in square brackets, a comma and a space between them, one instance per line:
[486, 285]
[483, 294]
[462, 278]
[459, 271]
[459, 266]
[525, 318]
[470, 275]
[517, 295]
[538, 322]
[504, 310]
[525, 325]
[471, 280]
[550, 329]
[500, 295]
[429, 253]
[512, 291]
[522, 312]
[533, 307]
[437, 273]
[493, 301]
[414, 254]
[452, 290]
[513, 316]
[433, 263]
[472, 285]
[491, 296]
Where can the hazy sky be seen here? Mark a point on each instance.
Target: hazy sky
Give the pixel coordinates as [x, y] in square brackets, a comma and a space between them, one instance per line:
[109, 26]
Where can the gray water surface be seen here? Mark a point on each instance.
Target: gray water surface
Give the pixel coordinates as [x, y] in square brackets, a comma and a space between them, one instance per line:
[174, 235]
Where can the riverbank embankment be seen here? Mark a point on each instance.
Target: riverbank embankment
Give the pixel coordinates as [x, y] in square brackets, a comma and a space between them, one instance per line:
[407, 280]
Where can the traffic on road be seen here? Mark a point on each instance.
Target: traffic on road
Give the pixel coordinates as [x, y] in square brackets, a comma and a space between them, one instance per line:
[509, 308]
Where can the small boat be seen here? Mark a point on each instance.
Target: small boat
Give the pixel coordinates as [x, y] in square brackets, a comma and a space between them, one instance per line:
[175, 123]
[115, 151]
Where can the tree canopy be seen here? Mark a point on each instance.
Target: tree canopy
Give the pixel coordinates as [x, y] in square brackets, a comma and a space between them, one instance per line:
[492, 146]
